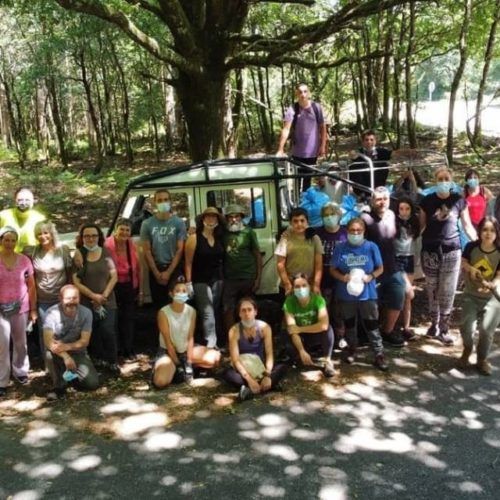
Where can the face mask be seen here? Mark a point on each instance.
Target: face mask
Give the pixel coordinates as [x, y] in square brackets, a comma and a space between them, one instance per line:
[301, 293]
[473, 182]
[331, 220]
[248, 323]
[210, 226]
[180, 298]
[163, 207]
[22, 206]
[355, 239]
[235, 227]
[91, 249]
[404, 217]
[443, 187]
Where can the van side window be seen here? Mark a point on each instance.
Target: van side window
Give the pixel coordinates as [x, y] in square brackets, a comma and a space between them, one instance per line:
[250, 199]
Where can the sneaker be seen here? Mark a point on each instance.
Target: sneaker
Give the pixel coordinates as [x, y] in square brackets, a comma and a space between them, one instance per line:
[245, 393]
[56, 395]
[3, 391]
[22, 379]
[113, 369]
[381, 363]
[408, 334]
[463, 362]
[342, 343]
[328, 369]
[445, 338]
[432, 331]
[393, 339]
[484, 367]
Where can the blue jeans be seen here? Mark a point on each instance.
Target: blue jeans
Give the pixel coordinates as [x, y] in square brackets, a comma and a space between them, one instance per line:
[207, 299]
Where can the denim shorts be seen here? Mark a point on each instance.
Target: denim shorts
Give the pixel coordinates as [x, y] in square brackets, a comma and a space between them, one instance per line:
[392, 291]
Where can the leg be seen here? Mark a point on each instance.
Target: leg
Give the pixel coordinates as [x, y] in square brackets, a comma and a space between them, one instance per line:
[409, 295]
[278, 372]
[369, 315]
[107, 332]
[217, 289]
[349, 313]
[55, 367]
[470, 313]
[4, 351]
[448, 280]
[163, 371]
[488, 323]
[392, 294]
[430, 265]
[42, 311]
[159, 293]
[125, 299]
[232, 377]
[204, 304]
[20, 361]
[88, 378]
[203, 357]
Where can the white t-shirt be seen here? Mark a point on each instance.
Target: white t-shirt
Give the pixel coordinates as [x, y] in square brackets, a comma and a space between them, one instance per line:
[178, 324]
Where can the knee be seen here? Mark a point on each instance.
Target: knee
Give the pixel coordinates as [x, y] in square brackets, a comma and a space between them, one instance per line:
[162, 377]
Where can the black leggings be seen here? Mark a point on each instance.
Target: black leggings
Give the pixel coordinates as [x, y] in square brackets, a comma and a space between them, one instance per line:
[231, 376]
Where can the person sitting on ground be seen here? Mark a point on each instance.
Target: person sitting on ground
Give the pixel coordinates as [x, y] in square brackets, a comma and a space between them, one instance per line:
[242, 262]
[476, 196]
[356, 265]
[22, 218]
[178, 354]
[17, 305]
[307, 324]
[251, 349]
[66, 333]
[299, 251]
[128, 288]
[481, 297]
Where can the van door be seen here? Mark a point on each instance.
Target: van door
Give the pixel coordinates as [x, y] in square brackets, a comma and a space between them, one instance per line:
[259, 201]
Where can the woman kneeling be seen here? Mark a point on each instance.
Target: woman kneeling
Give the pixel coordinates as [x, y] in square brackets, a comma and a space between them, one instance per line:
[178, 354]
[251, 350]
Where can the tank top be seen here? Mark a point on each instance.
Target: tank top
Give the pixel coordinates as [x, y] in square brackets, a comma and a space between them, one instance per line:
[178, 324]
[257, 344]
[207, 260]
[477, 206]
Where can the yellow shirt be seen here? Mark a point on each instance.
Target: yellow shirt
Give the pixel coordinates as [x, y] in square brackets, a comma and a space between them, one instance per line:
[23, 223]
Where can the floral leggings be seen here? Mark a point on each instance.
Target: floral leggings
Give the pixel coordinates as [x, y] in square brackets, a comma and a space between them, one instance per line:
[441, 279]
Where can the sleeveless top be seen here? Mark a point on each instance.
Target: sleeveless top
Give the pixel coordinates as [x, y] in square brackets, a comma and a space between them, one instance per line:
[257, 344]
[178, 324]
[477, 206]
[207, 260]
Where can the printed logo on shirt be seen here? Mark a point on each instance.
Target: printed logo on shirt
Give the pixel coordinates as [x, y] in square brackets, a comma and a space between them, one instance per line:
[162, 234]
[353, 260]
[484, 265]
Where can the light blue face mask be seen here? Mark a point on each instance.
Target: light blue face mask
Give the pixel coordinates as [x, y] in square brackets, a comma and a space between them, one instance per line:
[91, 248]
[301, 293]
[331, 220]
[248, 323]
[163, 207]
[444, 187]
[355, 239]
[473, 182]
[181, 298]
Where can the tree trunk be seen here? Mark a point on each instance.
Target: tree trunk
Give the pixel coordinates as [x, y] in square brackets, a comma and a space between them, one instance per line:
[410, 122]
[58, 122]
[463, 50]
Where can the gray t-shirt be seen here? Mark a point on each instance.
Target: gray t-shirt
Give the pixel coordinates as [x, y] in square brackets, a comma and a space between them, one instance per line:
[163, 236]
[66, 329]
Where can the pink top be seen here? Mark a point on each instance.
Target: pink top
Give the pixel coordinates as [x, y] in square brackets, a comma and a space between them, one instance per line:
[122, 268]
[477, 206]
[13, 284]
[121, 261]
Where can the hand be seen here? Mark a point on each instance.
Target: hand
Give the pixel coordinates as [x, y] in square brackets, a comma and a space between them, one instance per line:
[280, 153]
[165, 277]
[70, 364]
[57, 347]
[288, 288]
[254, 386]
[99, 299]
[265, 384]
[475, 274]
[306, 359]
[78, 260]
[367, 278]
[190, 289]
[294, 330]
[33, 315]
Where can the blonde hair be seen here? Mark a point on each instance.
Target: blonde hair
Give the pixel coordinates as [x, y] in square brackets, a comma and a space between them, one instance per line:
[443, 168]
[47, 225]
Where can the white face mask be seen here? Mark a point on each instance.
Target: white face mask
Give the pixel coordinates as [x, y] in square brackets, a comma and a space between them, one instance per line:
[91, 248]
[248, 323]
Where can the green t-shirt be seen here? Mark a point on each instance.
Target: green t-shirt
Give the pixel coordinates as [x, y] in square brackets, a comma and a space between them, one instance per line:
[304, 316]
[240, 248]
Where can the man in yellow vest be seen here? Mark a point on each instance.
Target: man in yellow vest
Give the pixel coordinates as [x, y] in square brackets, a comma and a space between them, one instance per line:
[23, 218]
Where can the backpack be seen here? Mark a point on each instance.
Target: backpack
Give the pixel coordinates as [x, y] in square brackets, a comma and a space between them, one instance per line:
[296, 109]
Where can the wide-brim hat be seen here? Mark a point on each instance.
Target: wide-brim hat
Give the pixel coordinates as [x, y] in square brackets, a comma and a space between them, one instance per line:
[213, 211]
[234, 209]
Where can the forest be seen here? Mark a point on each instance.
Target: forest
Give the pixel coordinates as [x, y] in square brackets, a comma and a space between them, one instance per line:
[98, 80]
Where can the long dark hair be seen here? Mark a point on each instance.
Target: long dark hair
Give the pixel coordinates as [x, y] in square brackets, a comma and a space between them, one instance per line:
[413, 223]
[496, 225]
[79, 237]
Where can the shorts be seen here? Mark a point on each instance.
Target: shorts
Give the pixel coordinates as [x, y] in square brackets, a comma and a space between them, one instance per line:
[392, 291]
[406, 263]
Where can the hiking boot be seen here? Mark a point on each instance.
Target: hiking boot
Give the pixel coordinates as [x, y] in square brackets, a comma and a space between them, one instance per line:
[245, 393]
[483, 367]
[56, 395]
[408, 334]
[432, 331]
[381, 363]
[445, 338]
[463, 362]
[328, 369]
[393, 339]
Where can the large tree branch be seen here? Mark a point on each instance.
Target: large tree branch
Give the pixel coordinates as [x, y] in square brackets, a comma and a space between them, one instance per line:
[303, 2]
[119, 19]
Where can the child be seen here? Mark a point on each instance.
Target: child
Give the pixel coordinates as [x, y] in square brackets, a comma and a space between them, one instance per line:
[407, 231]
[481, 298]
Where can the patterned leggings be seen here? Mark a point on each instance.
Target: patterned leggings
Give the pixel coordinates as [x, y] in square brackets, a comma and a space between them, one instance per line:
[441, 279]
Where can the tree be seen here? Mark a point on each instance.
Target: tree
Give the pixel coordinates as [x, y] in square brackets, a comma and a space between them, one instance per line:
[205, 40]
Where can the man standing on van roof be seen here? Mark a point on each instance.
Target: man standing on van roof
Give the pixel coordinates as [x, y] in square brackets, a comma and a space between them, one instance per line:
[162, 238]
[243, 262]
[306, 124]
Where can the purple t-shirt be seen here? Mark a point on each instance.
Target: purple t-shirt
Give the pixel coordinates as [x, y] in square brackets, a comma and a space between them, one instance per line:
[306, 135]
[13, 283]
[329, 241]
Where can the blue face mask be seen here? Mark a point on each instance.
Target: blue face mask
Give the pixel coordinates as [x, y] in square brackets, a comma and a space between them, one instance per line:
[355, 239]
[473, 182]
[444, 187]
[301, 293]
[181, 298]
[91, 248]
[163, 207]
[331, 220]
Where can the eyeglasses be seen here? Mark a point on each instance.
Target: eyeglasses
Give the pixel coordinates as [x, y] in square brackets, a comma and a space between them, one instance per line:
[88, 236]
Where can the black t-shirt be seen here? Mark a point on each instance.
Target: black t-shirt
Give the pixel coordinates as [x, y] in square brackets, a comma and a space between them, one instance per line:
[442, 217]
[380, 158]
